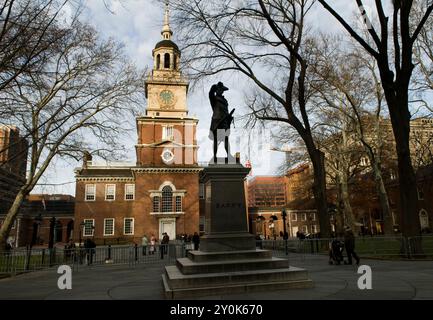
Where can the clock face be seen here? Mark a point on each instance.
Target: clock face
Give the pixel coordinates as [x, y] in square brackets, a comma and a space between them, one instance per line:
[167, 156]
[167, 97]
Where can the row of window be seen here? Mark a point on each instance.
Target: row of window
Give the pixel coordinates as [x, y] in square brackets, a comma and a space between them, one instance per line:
[109, 226]
[303, 216]
[110, 192]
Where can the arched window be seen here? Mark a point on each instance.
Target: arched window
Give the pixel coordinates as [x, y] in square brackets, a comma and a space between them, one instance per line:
[167, 61]
[156, 202]
[167, 199]
[158, 61]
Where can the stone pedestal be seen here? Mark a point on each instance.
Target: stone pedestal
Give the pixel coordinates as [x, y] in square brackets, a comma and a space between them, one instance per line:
[226, 220]
[228, 261]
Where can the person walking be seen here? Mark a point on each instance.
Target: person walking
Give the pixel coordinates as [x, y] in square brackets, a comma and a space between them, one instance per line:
[164, 243]
[196, 240]
[144, 243]
[152, 244]
[349, 243]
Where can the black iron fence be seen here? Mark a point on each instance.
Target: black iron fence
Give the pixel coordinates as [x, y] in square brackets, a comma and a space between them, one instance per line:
[375, 247]
[25, 260]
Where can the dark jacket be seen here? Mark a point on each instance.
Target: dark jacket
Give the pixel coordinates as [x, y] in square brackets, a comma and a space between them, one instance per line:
[349, 240]
[196, 238]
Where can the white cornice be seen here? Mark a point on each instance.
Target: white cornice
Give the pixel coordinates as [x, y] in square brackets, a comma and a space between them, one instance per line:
[167, 170]
[106, 179]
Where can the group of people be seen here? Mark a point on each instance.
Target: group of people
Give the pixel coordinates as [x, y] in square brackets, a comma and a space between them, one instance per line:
[150, 245]
[336, 248]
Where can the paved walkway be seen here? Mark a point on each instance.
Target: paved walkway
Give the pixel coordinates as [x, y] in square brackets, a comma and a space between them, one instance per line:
[391, 280]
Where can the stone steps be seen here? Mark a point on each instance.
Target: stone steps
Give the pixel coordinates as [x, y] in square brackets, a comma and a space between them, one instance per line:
[200, 256]
[178, 280]
[187, 266]
[230, 288]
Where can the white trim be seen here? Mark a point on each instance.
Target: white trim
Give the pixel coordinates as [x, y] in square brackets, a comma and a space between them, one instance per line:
[132, 226]
[84, 228]
[133, 193]
[86, 193]
[296, 216]
[114, 224]
[167, 183]
[114, 192]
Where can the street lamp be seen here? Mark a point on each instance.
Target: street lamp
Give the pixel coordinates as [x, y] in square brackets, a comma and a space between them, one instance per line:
[285, 236]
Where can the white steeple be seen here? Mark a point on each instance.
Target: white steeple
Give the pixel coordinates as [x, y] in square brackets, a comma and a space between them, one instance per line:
[166, 30]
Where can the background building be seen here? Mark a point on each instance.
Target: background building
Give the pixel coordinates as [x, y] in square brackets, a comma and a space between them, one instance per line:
[123, 202]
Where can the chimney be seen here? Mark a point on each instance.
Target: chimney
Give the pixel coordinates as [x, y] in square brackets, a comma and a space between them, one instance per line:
[87, 159]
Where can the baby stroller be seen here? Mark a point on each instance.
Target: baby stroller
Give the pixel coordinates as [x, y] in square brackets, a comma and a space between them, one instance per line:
[336, 248]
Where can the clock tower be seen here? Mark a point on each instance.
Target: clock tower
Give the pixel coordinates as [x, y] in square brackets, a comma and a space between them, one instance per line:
[166, 133]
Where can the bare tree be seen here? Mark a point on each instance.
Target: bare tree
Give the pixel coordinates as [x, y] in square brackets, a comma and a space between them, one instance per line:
[76, 100]
[26, 36]
[423, 58]
[395, 64]
[356, 84]
[266, 41]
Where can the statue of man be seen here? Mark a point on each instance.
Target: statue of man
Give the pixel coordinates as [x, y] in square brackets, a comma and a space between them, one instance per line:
[221, 119]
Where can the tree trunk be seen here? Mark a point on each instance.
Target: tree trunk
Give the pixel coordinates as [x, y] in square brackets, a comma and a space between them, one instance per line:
[348, 212]
[383, 199]
[10, 217]
[409, 221]
[319, 189]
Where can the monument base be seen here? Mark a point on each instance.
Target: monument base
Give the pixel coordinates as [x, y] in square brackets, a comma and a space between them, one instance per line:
[218, 273]
[228, 261]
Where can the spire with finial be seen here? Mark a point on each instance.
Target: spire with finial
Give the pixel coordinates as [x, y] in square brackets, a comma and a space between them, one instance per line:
[166, 30]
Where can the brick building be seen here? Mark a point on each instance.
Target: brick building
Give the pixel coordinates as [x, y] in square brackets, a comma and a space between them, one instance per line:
[266, 191]
[160, 192]
[13, 163]
[32, 225]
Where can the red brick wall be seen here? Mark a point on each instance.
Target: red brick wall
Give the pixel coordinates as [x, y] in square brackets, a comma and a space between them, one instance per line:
[139, 209]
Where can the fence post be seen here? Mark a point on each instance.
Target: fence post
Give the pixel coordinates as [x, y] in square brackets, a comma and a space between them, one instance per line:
[136, 252]
[109, 252]
[28, 256]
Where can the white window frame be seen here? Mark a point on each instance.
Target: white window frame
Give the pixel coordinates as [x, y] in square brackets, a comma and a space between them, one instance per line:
[303, 217]
[295, 215]
[126, 192]
[106, 192]
[86, 193]
[105, 226]
[176, 203]
[168, 132]
[132, 226]
[313, 216]
[84, 228]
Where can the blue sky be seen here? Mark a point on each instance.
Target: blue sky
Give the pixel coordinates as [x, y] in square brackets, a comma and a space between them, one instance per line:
[137, 24]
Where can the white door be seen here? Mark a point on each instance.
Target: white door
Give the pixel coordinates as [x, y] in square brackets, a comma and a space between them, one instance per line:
[294, 230]
[169, 226]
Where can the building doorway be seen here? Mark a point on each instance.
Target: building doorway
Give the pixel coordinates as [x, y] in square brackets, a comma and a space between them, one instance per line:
[167, 225]
[423, 219]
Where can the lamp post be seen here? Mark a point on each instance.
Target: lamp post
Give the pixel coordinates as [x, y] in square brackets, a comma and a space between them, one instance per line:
[285, 236]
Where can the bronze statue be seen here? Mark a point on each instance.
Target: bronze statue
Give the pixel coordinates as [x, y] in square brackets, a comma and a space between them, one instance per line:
[221, 119]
